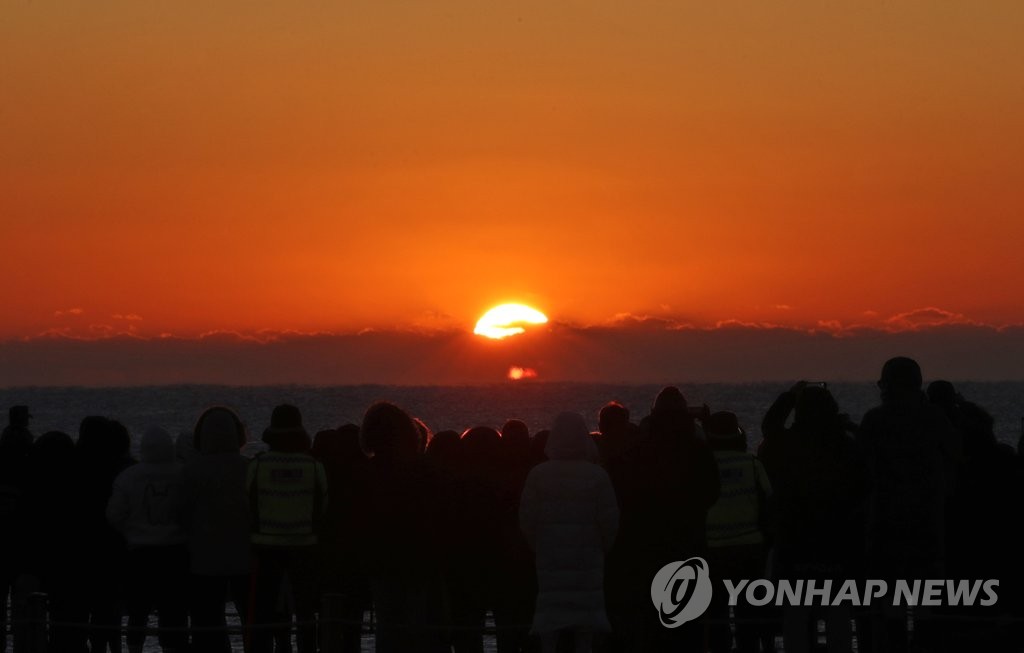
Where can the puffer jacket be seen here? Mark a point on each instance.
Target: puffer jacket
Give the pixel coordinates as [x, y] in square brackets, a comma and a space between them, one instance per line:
[145, 503]
[569, 516]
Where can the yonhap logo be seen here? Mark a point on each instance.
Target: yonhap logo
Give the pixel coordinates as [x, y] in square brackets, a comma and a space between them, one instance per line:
[681, 591]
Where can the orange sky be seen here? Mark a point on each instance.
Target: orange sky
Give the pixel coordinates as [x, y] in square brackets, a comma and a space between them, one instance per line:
[170, 168]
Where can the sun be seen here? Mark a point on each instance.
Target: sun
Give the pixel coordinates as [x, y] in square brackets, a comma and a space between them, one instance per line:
[507, 320]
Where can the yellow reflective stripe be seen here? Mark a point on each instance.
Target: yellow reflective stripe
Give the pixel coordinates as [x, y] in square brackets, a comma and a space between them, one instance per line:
[285, 495]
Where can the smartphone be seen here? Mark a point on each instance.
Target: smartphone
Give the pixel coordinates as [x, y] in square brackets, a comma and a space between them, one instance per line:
[698, 412]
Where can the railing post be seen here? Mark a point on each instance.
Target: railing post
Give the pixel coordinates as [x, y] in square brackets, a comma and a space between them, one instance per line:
[37, 641]
[19, 623]
[28, 622]
[330, 624]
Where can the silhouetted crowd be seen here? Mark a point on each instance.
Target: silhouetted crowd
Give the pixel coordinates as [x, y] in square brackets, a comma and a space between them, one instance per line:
[556, 534]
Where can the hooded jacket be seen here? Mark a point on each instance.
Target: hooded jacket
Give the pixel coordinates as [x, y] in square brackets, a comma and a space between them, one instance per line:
[569, 516]
[216, 506]
[145, 502]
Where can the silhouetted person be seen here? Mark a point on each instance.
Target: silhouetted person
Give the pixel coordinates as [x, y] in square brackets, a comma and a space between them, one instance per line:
[569, 516]
[618, 437]
[443, 451]
[15, 444]
[819, 482]
[338, 561]
[144, 507]
[515, 439]
[51, 522]
[17, 427]
[736, 537]
[216, 517]
[911, 452]
[665, 484]
[474, 577]
[982, 535]
[103, 453]
[617, 432]
[397, 532]
[288, 494]
[516, 590]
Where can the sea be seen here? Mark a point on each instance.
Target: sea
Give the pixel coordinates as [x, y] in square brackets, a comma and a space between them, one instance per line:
[176, 407]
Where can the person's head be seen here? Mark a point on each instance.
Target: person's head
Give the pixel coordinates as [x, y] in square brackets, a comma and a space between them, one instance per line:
[57, 443]
[19, 416]
[816, 408]
[724, 433]
[569, 439]
[92, 431]
[515, 439]
[218, 430]
[388, 433]
[942, 393]
[54, 443]
[338, 446]
[444, 448]
[480, 447]
[901, 376]
[669, 400]
[670, 417]
[51, 453]
[286, 432]
[613, 418]
[15, 441]
[102, 439]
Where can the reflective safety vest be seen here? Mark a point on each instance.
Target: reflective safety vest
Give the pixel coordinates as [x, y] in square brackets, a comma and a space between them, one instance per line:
[287, 494]
[733, 520]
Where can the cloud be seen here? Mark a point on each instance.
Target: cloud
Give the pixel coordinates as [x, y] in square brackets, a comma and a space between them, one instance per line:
[434, 321]
[733, 323]
[131, 317]
[928, 317]
[53, 332]
[71, 311]
[646, 354]
[645, 322]
[224, 335]
[832, 326]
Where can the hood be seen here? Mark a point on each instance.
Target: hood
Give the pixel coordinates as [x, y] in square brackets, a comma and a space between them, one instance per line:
[157, 447]
[569, 439]
[219, 431]
[480, 445]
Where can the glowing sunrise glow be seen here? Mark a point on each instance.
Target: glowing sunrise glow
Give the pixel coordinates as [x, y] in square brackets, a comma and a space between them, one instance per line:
[328, 168]
[506, 320]
[520, 373]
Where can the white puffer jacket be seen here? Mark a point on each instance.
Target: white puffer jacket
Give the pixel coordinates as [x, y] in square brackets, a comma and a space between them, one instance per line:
[569, 516]
[146, 498]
